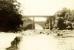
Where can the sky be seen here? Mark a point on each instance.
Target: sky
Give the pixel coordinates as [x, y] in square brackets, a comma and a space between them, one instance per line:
[44, 7]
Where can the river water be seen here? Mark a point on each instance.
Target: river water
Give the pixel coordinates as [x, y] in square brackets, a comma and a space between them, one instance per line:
[33, 40]
[39, 40]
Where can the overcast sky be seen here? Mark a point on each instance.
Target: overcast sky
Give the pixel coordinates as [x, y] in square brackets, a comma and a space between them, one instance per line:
[44, 7]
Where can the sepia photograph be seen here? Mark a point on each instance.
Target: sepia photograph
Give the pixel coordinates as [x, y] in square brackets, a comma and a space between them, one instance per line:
[36, 24]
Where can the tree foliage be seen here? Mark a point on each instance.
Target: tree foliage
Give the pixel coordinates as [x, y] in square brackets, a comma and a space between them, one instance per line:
[61, 19]
[67, 14]
[10, 18]
[65, 18]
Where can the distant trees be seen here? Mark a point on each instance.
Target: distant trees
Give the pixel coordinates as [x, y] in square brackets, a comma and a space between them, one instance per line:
[62, 19]
[28, 24]
[67, 17]
[10, 18]
[67, 14]
[50, 22]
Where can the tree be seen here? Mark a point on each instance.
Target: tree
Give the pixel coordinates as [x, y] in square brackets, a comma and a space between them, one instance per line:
[50, 22]
[65, 18]
[10, 18]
